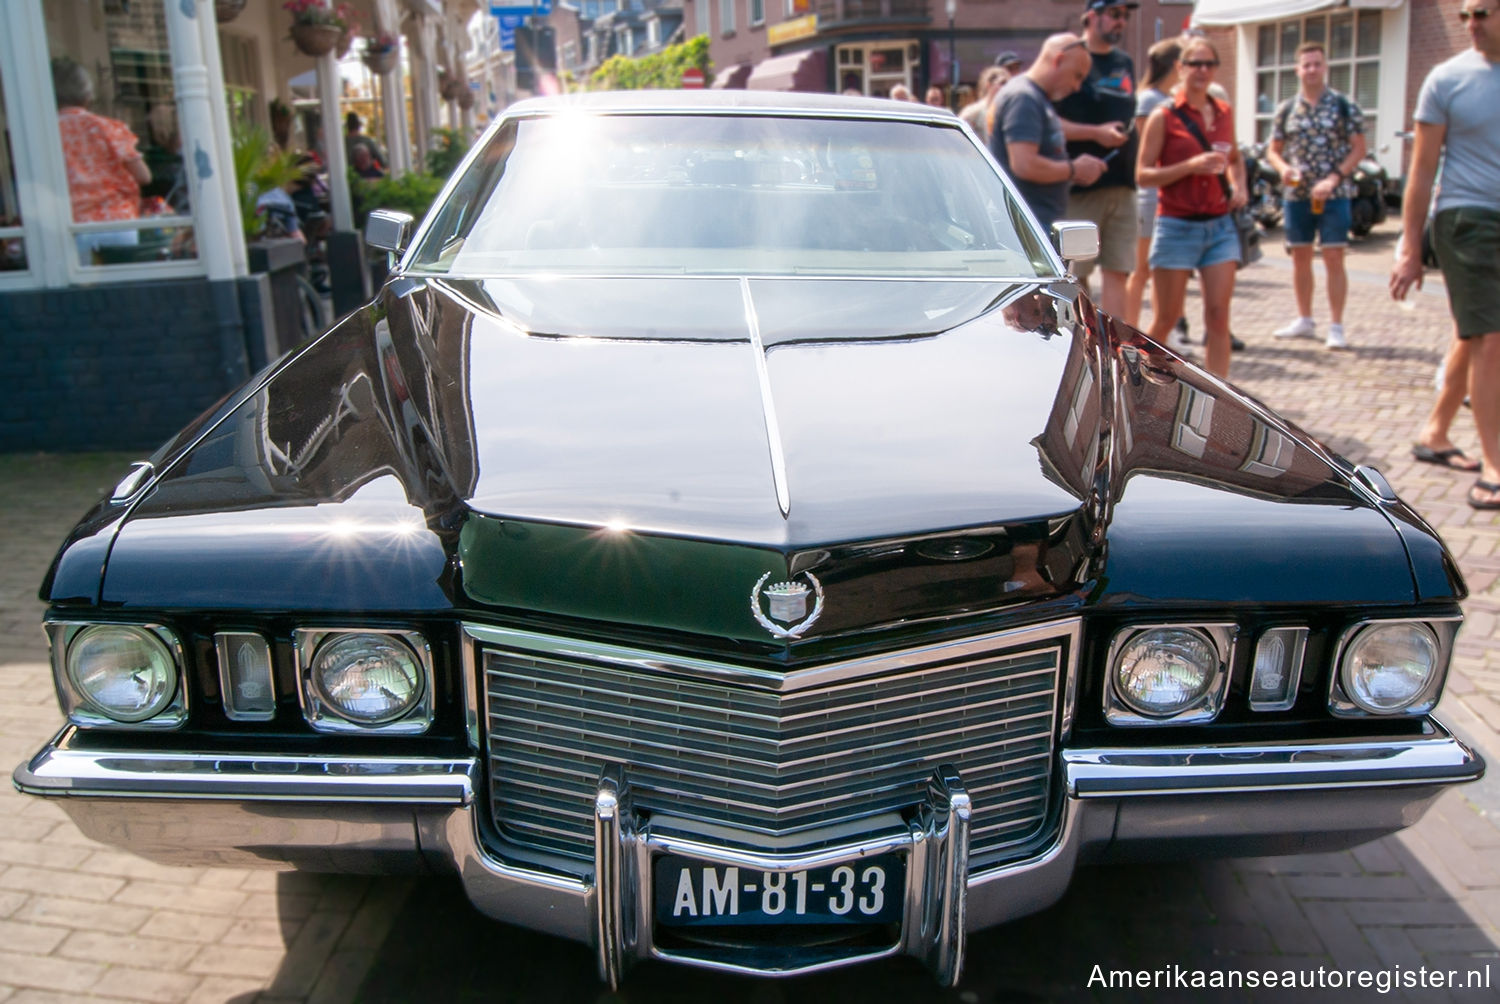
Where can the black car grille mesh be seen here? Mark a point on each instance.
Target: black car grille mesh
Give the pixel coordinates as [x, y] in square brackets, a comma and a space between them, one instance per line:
[767, 762]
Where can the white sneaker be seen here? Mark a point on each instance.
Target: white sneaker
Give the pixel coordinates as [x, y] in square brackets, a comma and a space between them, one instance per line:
[1178, 342]
[1336, 339]
[1302, 327]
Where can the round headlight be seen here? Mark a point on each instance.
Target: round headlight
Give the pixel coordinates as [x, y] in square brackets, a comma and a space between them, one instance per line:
[369, 679]
[1388, 666]
[122, 672]
[1165, 671]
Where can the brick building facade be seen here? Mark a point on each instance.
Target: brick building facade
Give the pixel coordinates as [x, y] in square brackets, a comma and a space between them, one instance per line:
[871, 45]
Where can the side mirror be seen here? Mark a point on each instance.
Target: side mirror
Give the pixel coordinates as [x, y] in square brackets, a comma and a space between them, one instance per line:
[388, 230]
[1075, 240]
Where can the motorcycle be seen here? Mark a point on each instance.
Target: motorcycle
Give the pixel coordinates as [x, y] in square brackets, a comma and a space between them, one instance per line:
[1368, 206]
[1265, 186]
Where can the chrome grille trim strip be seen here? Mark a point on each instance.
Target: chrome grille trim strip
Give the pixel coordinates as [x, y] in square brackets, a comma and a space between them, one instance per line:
[772, 680]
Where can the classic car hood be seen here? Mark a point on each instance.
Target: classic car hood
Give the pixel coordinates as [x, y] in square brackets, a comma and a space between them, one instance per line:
[779, 413]
[654, 452]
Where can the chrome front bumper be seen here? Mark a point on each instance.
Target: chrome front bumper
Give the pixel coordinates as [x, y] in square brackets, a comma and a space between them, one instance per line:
[398, 814]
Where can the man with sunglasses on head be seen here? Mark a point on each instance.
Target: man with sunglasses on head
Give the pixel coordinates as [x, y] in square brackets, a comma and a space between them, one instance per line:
[1456, 121]
[1098, 120]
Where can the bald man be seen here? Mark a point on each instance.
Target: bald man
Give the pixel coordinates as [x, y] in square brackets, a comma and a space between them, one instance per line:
[1028, 137]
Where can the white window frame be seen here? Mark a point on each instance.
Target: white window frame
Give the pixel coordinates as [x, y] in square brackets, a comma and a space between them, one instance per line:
[907, 75]
[46, 210]
[653, 33]
[1283, 66]
[726, 17]
[757, 13]
[703, 17]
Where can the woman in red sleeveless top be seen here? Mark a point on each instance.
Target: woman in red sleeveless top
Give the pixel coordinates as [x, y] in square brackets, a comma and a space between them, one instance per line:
[1201, 181]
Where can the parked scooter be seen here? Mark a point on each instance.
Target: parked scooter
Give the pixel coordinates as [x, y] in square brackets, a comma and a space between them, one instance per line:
[1265, 186]
[1368, 206]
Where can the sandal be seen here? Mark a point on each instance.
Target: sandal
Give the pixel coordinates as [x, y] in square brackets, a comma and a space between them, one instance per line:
[1491, 489]
[1452, 458]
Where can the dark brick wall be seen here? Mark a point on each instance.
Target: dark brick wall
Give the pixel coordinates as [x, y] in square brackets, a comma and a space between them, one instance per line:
[120, 367]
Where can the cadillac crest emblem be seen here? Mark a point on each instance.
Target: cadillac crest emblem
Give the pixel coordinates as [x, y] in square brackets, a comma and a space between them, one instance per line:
[786, 602]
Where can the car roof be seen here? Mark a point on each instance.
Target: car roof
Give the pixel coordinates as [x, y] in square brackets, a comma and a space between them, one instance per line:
[730, 102]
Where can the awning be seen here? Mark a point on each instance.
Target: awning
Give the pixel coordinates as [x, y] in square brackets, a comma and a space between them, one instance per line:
[732, 78]
[796, 71]
[1207, 13]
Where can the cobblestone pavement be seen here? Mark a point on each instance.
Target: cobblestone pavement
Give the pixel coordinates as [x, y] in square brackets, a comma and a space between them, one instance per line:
[81, 922]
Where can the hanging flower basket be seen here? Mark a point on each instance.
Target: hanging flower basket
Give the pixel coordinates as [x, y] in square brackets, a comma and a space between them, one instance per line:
[464, 97]
[315, 39]
[382, 62]
[452, 88]
[227, 10]
[346, 41]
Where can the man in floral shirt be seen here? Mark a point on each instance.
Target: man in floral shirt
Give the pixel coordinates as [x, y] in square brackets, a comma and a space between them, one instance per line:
[1317, 140]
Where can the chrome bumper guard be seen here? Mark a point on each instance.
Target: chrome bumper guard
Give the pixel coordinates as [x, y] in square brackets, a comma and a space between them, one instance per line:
[935, 842]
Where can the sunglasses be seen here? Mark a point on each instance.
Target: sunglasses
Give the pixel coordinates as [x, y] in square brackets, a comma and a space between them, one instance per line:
[1475, 15]
[1200, 64]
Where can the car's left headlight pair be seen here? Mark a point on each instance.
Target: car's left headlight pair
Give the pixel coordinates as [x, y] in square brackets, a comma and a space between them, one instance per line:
[1178, 674]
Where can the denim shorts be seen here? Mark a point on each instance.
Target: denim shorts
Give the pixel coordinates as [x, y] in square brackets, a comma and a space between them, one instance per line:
[1189, 244]
[1331, 226]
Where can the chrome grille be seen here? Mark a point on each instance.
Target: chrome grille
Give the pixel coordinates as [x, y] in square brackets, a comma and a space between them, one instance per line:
[765, 753]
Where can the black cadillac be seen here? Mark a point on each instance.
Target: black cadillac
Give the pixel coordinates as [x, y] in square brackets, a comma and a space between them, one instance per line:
[732, 537]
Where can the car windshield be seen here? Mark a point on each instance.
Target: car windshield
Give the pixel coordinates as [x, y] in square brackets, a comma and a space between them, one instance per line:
[730, 194]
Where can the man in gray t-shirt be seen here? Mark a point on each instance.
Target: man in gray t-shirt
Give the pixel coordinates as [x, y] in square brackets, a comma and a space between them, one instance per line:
[1455, 121]
[1028, 138]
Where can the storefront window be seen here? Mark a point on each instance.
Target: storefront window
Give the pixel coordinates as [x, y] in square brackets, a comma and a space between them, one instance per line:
[876, 68]
[12, 242]
[117, 118]
[1353, 48]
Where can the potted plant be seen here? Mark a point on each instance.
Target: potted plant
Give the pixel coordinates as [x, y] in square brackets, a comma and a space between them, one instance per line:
[227, 10]
[450, 85]
[316, 27]
[382, 52]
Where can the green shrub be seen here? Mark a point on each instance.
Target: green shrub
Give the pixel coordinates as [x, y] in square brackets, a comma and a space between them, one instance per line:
[448, 149]
[662, 70]
[412, 193]
[258, 167]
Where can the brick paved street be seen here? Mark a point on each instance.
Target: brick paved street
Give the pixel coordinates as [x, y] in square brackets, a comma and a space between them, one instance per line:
[81, 922]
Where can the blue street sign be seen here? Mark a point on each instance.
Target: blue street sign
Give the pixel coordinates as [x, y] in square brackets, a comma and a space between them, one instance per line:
[542, 9]
[508, 25]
